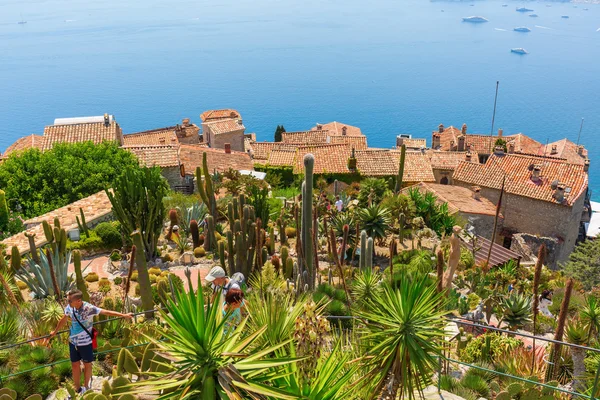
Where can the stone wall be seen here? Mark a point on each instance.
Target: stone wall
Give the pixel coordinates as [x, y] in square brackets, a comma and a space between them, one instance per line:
[235, 138]
[441, 173]
[171, 174]
[483, 224]
[539, 218]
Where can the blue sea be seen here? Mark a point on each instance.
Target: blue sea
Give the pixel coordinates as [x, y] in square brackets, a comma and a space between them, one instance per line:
[388, 67]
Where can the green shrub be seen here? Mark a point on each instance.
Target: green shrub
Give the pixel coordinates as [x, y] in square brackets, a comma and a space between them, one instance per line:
[91, 243]
[115, 256]
[110, 235]
[199, 252]
[499, 344]
[118, 280]
[92, 277]
[40, 355]
[62, 370]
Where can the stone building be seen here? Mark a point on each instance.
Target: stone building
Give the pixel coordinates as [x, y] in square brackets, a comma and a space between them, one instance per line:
[219, 132]
[164, 156]
[467, 204]
[545, 199]
[82, 129]
[185, 132]
[443, 163]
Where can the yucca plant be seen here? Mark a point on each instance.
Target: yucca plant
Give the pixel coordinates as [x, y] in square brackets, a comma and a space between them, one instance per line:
[402, 330]
[367, 285]
[9, 325]
[516, 311]
[375, 220]
[204, 362]
[590, 314]
[576, 333]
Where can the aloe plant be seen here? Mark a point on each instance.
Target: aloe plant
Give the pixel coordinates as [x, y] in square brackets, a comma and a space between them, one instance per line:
[516, 311]
[38, 277]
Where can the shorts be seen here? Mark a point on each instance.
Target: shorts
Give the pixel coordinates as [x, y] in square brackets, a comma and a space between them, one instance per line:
[78, 353]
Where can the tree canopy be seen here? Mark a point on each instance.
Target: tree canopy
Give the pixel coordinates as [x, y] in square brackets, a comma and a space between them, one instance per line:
[584, 264]
[278, 131]
[42, 182]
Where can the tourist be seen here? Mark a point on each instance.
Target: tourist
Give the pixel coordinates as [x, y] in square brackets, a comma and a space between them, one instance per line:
[234, 302]
[339, 204]
[219, 279]
[328, 205]
[82, 316]
[545, 302]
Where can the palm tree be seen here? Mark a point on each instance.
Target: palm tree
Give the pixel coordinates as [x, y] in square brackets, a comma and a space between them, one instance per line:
[402, 330]
[576, 332]
[204, 362]
[590, 314]
[375, 220]
[516, 311]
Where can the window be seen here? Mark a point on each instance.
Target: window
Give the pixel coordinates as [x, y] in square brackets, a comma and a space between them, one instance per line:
[444, 180]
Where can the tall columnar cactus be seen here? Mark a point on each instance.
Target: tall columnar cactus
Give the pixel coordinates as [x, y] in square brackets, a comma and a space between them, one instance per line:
[369, 255]
[79, 275]
[3, 210]
[345, 232]
[363, 250]
[285, 253]
[307, 219]
[222, 254]
[129, 274]
[81, 224]
[172, 222]
[48, 232]
[289, 269]
[143, 276]
[32, 247]
[205, 187]
[271, 240]
[15, 259]
[400, 169]
[210, 240]
[241, 237]
[195, 232]
[440, 271]
[281, 228]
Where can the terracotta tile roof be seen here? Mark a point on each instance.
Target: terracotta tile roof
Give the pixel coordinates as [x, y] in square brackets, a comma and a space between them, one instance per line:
[448, 138]
[337, 128]
[329, 158]
[305, 137]
[523, 144]
[358, 142]
[417, 167]
[261, 150]
[413, 143]
[212, 115]
[479, 143]
[25, 143]
[518, 176]
[449, 160]
[564, 149]
[376, 162]
[96, 132]
[94, 207]
[190, 156]
[225, 126]
[283, 156]
[160, 156]
[155, 137]
[483, 144]
[499, 255]
[459, 199]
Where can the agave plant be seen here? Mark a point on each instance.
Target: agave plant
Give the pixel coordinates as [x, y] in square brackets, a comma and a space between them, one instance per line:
[375, 220]
[403, 327]
[38, 278]
[338, 221]
[204, 362]
[516, 310]
[196, 212]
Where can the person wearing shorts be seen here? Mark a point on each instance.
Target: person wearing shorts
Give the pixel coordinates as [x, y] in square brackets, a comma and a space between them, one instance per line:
[80, 341]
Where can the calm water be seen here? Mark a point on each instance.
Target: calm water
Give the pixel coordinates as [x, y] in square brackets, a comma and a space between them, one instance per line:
[385, 66]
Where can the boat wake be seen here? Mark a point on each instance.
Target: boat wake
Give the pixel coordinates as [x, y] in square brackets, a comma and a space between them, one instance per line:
[500, 29]
[70, 20]
[542, 27]
[598, 30]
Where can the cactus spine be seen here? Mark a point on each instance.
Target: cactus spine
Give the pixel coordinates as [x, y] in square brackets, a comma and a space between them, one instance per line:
[285, 253]
[143, 277]
[79, 276]
[210, 238]
[307, 219]
[400, 169]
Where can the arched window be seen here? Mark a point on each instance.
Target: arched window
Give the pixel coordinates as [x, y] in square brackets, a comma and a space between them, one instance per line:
[444, 180]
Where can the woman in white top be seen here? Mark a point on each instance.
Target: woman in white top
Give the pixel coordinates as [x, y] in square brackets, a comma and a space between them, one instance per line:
[545, 302]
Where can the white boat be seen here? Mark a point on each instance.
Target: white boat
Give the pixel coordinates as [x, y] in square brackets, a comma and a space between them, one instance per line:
[523, 9]
[474, 19]
[564, 16]
[504, 5]
[522, 29]
[22, 21]
[519, 50]
[533, 15]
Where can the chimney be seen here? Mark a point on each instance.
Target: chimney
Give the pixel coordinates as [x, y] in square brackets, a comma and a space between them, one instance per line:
[468, 156]
[586, 165]
[499, 150]
[186, 122]
[344, 129]
[468, 146]
[319, 127]
[106, 119]
[435, 141]
[461, 142]
[553, 150]
[559, 193]
[227, 148]
[441, 128]
[240, 122]
[162, 140]
[580, 150]
[500, 132]
[535, 172]
[511, 147]
[476, 192]
[463, 130]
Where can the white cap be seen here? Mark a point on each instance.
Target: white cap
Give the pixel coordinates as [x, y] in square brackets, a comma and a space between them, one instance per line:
[216, 272]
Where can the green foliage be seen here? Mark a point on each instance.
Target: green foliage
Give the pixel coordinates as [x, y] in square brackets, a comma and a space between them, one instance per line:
[375, 220]
[476, 384]
[498, 344]
[373, 188]
[584, 264]
[277, 137]
[366, 286]
[92, 277]
[500, 142]
[137, 203]
[92, 242]
[436, 216]
[9, 326]
[110, 234]
[258, 198]
[516, 310]
[46, 181]
[399, 204]
[576, 303]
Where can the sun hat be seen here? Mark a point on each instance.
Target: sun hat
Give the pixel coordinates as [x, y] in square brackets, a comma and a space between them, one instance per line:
[216, 272]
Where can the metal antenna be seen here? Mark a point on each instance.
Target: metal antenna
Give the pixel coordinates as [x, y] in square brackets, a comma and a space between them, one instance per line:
[580, 128]
[494, 117]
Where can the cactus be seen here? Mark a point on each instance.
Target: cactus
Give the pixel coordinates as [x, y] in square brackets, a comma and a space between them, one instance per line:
[81, 224]
[504, 395]
[440, 271]
[281, 227]
[210, 241]
[400, 169]
[369, 255]
[285, 253]
[126, 363]
[363, 250]
[486, 353]
[195, 232]
[289, 268]
[3, 210]
[307, 219]
[15, 259]
[272, 239]
[143, 276]
[264, 255]
[514, 389]
[162, 288]
[79, 276]
[32, 247]
[345, 232]
[494, 386]
[48, 231]
[222, 255]
[205, 187]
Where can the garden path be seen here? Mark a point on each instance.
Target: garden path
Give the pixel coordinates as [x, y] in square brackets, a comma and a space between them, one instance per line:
[96, 265]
